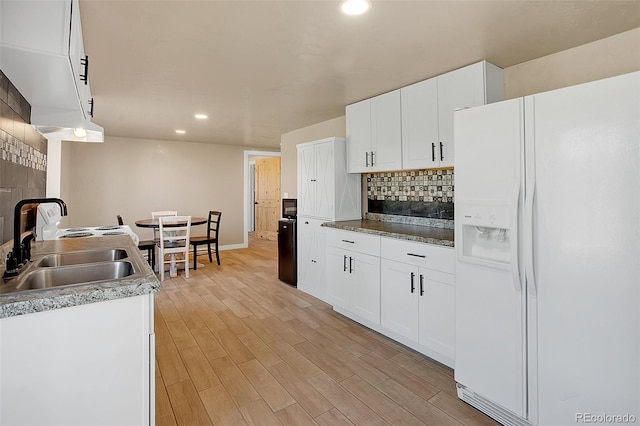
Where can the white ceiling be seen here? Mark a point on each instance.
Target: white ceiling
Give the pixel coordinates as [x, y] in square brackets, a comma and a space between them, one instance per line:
[263, 68]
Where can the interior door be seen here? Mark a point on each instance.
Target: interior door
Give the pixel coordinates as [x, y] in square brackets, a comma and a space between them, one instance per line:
[267, 198]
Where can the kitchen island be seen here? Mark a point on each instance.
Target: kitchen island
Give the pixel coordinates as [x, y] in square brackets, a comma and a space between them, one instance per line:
[79, 354]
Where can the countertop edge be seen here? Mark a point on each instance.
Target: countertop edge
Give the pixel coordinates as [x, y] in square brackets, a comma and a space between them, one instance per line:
[400, 236]
[29, 302]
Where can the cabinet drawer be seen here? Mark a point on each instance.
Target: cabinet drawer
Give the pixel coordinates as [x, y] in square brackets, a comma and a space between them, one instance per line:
[423, 255]
[354, 241]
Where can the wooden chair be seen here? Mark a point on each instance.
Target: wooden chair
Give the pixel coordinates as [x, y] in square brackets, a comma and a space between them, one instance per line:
[158, 214]
[174, 232]
[213, 230]
[148, 245]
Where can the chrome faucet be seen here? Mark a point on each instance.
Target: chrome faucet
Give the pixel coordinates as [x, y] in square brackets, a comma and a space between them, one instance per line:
[20, 255]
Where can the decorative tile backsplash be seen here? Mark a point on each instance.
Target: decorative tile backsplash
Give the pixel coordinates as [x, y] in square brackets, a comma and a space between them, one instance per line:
[417, 193]
[414, 185]
[16, 151]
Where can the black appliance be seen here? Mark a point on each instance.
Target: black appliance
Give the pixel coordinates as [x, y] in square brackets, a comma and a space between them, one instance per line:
[287, 251]
[289, 208]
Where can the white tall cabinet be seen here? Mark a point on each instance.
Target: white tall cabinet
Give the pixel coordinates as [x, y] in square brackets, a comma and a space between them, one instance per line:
[326, 193]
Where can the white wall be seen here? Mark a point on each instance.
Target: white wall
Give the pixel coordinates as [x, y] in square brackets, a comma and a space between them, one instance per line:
[132, 177]
[611, 56]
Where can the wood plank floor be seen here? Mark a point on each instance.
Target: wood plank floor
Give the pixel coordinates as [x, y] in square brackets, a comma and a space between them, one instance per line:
[234, 345]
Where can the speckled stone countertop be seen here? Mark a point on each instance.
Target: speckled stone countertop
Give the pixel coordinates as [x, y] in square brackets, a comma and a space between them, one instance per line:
[143, 281]
[402, 231]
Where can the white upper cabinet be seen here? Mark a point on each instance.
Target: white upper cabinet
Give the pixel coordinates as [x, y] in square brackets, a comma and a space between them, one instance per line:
[420, 124]
[42, 53]
[325, 189]
[412, 128]
[467, 87]
[428, 107]
[374, 134]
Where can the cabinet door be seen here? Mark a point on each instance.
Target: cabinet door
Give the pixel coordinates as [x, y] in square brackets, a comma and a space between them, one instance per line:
[399, 298]
[319, 262]
[437, 311]
[365, 283]
[324, 180]
[77, 58]
[338, 277]
[420, 138]
[306, 254]
[459, 89]
[358, 136]
[306, 181]
[386, 132]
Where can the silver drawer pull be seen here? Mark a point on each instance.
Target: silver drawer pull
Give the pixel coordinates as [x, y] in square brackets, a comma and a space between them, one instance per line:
[417, 255]
[347, 241]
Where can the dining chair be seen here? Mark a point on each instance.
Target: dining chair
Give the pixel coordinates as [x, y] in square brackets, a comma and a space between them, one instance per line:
[213, 230]
[148, 245]
[158, 214]
[174, 232]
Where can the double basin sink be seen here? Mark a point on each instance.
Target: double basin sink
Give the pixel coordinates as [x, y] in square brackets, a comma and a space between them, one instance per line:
[74, 268]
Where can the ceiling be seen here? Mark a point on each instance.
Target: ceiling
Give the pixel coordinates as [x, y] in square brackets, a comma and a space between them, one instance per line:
[263, 68]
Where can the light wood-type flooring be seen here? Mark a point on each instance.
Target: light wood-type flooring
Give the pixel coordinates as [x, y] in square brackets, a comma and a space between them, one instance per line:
[234, 345]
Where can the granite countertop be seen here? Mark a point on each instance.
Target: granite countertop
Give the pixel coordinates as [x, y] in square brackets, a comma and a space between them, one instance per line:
[142, 282]
[402, 231]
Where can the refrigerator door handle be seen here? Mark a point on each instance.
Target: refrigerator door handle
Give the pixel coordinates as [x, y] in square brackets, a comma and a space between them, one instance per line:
[515, 264]
[528, 233]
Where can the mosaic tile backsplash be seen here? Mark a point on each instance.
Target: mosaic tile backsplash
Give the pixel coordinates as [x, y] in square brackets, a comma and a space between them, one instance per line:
[419, 193]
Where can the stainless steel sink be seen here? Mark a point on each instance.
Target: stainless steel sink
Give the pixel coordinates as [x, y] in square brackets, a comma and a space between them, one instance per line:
[79, 274]
[80, 257]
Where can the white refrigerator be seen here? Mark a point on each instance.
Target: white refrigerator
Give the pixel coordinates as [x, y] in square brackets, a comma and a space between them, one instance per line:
[548, 255]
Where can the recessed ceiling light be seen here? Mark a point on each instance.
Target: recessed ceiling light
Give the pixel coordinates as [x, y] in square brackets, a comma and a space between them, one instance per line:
[181, 132]
[202, 116]
[355, 7]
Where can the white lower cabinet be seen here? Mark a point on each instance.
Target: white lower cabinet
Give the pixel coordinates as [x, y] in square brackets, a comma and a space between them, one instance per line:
[90, 364]
[354, 282]
[402, 289]
[353, 274]
[418, 304]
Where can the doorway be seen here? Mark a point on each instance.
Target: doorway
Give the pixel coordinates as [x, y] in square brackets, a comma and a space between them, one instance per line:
[250, 158]
[267, 198]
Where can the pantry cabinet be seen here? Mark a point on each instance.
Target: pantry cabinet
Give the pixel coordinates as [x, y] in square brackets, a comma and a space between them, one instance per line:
[325, 189]
[326, 193]
[311, 257]
[428, 107]
[374, 134]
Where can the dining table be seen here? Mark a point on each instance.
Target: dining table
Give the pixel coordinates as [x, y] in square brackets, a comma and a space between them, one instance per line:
[155, 223]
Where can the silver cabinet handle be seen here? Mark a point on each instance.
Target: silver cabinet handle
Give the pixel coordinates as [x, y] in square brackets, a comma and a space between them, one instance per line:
[372, 158]
[367, 159]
